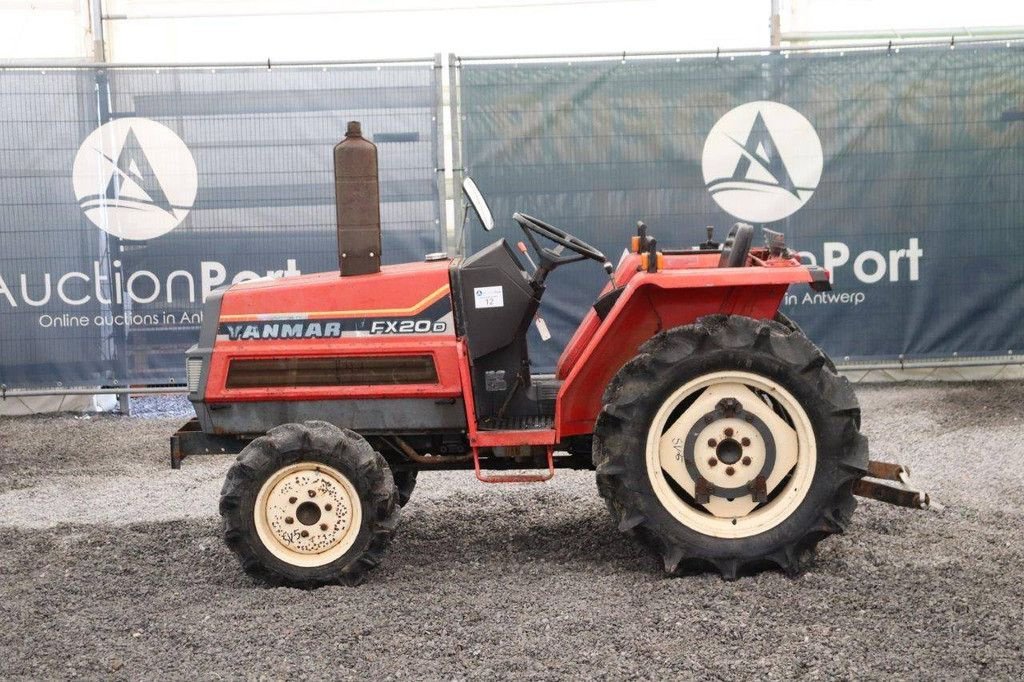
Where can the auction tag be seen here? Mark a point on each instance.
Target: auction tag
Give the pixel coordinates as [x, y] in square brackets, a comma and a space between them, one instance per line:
[542, 328]
[489, 297]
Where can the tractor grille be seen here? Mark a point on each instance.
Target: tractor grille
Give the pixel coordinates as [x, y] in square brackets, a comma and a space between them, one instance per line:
[527, 423]
[193, 370]
[350, 370]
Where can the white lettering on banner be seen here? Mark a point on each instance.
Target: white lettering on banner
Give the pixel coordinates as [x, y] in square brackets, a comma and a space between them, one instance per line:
[99, 281]
[213, 276]
[871, 266]
[854, 298]
[7, 292]
[131, 286]
[187, 276]
[42, 301]
[60, 288]
[76, 288]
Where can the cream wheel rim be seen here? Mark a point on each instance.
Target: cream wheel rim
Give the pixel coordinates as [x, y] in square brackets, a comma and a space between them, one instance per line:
[307, 514]
[739, 446]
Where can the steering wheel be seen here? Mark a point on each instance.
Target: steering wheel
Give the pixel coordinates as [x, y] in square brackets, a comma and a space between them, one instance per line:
[533, 226]
[737, 246]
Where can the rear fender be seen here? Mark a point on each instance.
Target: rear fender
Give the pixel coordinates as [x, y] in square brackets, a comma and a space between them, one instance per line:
[654, 302]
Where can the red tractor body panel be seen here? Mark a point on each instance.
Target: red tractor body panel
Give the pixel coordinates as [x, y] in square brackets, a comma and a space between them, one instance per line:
[271, 331]
[404, 310]
[685, 290]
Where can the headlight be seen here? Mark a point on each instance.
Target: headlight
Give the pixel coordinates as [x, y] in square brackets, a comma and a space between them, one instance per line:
[193, 369]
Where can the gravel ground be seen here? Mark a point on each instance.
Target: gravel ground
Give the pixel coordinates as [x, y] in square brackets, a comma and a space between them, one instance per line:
[111, 566]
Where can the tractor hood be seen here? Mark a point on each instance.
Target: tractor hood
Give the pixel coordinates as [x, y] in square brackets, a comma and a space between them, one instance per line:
[340, 306]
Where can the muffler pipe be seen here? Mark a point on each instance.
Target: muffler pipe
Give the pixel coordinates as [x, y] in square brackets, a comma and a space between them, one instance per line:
[357, 195]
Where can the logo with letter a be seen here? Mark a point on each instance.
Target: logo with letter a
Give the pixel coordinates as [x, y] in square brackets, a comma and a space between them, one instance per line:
[134, 178]
[762, 161]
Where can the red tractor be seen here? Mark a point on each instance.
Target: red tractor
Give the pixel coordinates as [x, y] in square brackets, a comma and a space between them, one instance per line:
[720, 434]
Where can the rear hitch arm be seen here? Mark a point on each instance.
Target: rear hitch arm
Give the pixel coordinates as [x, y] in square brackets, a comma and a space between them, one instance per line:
[893, 486]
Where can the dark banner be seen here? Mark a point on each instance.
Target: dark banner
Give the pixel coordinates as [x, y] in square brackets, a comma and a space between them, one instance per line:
[901, 171]
[127, 194]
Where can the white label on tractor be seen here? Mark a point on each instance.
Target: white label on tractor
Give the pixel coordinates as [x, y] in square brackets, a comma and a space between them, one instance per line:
[489, 297]
[542, 328]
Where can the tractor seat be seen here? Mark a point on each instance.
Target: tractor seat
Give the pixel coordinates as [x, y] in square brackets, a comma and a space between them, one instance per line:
[737, 246]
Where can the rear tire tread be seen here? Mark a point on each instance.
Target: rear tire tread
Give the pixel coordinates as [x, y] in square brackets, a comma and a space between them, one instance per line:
[621, 430]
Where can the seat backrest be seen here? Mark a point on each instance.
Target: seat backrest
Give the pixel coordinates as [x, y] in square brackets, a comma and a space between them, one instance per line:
[737, 246]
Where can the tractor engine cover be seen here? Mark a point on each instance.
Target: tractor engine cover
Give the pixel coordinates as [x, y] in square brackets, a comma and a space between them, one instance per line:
[377, 354]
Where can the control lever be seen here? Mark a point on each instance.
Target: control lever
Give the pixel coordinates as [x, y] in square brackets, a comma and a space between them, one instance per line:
[710, 244]
[776, 243]
[542, 326]
[522, 248]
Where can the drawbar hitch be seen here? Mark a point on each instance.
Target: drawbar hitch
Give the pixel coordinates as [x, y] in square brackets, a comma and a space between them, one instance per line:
[892, 486]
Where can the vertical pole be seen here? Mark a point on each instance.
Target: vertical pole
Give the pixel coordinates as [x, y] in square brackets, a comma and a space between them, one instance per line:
[112, 245]
[438, 149]
[458, 167]
[99, 46]
[112, 263]
[775, 24]
[448, 151]
[441, 149]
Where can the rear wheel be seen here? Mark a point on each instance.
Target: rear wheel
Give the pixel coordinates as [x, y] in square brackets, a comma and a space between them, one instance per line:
[729, 442]
[309, 504]
[787, 322]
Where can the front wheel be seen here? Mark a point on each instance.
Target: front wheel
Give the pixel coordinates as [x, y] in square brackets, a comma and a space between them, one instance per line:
[729, 442]
[309, 504]
[405, 482]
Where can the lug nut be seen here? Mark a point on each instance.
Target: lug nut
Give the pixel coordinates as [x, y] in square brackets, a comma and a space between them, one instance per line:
[729, 471]
[292, 500]
[304, 533]
[289, 519]
[712, 442]
[745, 442]
[312, 493]
[323, 526]
[746, 461]
[712, 462]
[327, 507]
[728, 433]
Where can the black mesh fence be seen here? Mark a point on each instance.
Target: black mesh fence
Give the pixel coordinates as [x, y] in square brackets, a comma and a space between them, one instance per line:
[126, 194]
[902, 170]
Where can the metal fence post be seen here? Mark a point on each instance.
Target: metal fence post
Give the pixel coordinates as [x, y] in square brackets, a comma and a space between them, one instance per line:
[455, 111]
[447, 134]
[438, 146]
[111, 246]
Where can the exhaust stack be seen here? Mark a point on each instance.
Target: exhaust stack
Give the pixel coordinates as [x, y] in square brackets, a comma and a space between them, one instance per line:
[357, 191]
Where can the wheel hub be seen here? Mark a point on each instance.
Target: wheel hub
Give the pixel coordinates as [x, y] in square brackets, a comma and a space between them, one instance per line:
[306, 512]
[731, 452]
[714, 454]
